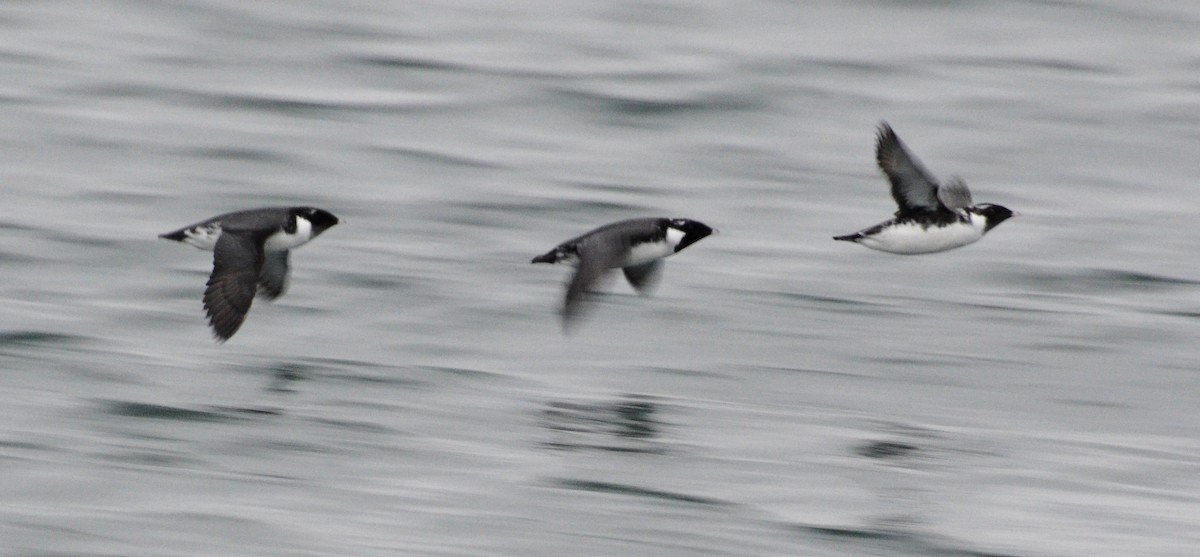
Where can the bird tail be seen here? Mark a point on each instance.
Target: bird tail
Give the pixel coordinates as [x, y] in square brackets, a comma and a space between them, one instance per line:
[177, 235]
[549, 257]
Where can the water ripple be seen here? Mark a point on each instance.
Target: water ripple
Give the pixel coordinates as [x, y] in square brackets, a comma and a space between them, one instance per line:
[1094, 279]
[629, 104]
[36, 339]
[637, 491]
[901, 542]
[1057, 65]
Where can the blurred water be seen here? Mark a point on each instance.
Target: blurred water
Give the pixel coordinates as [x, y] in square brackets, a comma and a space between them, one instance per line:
[782, 394]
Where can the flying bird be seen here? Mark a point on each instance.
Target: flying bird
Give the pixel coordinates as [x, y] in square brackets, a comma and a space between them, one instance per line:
[636, 246]
[250, 255]
[933, 217]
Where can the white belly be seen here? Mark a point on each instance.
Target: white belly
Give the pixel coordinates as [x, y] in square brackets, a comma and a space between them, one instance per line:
[282, 241]
[651, 251]
[912, 239]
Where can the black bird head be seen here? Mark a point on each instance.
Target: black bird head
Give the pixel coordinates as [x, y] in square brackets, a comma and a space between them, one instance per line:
[994, 215]
[693, 231]
[321, 219]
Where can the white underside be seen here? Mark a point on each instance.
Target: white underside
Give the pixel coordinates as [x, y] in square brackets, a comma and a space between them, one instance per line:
[641, 253]
[652, 251]
[912, 238]
[205, 238]
[282, 241]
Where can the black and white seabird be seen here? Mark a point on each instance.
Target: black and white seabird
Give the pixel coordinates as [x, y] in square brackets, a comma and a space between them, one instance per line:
[250, 254]
[932, 217]
[637, 246]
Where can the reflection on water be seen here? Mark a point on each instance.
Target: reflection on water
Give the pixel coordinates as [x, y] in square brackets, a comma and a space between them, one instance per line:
[628, 424]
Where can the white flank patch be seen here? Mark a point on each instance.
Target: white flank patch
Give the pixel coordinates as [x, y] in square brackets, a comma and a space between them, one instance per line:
[912, 238]
[281, 240]
[202, 237]
[650, 251]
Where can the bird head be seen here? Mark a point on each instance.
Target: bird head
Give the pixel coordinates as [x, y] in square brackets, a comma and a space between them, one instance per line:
[693, 231]
[994, 214]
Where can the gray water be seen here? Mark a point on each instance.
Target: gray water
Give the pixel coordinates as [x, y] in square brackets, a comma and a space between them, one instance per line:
[1034, 394]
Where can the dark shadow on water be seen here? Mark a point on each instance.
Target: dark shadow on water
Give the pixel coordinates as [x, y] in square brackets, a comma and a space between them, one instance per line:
[284, 375]
[36, 344]
[439, 158]
[1095, 280]
[241, 154]
[1092, 403]
[916, 446]
[36, 339]
[151, 411]
[628, 424]
[886, 449]
[357, 426]
[405, 63]
[162, 412]
[896, 542]
[1056, 65]
[642, 108]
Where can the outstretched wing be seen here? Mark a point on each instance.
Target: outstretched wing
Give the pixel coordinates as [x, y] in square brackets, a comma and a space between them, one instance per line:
[913, 187]
[594, 259]
[273, 277]
[236, 262]
[954, 194]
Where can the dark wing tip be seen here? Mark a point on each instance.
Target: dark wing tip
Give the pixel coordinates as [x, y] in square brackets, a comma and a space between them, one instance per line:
[224, 320]
[885, 139]
[227, 300]
[885, 129]
[220, 337]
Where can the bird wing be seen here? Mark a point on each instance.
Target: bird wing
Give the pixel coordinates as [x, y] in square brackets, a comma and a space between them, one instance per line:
[595, 257]
[913, 187]
[237, 259]
[954, 194]
[645, 277]
[273, 277]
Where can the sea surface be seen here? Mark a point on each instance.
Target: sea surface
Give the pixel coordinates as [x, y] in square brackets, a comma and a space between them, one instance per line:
[1034, 394]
